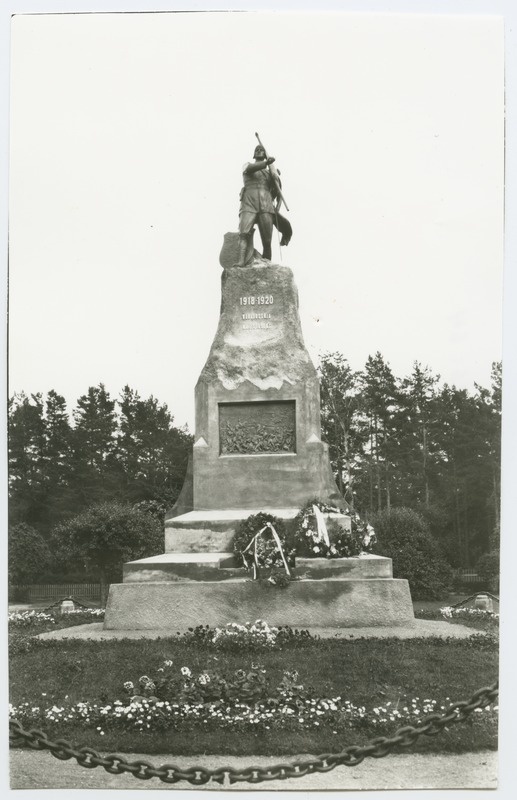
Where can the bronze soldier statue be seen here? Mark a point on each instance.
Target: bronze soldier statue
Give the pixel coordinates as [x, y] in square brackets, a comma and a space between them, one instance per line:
[260, 199]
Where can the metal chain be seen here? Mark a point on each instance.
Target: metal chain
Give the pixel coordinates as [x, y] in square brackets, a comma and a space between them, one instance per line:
[170, 773]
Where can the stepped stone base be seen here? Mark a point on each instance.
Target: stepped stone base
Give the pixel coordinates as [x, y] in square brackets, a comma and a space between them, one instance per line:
[211, 531]
[223, 566]
[178, 605]
[175, 591]
[182, 567]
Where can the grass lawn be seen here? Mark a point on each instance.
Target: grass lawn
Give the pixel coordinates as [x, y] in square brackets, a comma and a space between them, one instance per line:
[368, 672]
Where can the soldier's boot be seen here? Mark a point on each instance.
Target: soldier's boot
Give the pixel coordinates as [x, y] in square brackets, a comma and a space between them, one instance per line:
[243, 246]
[266, 253]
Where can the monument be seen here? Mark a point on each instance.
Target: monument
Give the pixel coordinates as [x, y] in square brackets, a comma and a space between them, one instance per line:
[257, 447]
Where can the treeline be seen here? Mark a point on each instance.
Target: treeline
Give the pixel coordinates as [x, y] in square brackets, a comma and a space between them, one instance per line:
[412, 442]
[394, 442]
[125, 450]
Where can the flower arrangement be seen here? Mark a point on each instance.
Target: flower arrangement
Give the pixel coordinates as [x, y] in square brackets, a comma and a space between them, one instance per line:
[249, 637]
[258, 634]
[333, 541]
[260, 544]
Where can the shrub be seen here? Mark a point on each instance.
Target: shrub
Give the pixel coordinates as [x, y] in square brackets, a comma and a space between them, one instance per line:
[105, 536]
[29, 554]
[487, 569]
[403, 535]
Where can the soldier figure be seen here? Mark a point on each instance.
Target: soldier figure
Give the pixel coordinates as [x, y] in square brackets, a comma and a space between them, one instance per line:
[260, 200]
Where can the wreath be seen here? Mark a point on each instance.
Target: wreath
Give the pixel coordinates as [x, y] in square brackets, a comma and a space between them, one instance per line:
[260, 544]
[320, 538]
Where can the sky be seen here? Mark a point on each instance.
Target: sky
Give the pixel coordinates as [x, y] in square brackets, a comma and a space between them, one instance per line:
[128, 133]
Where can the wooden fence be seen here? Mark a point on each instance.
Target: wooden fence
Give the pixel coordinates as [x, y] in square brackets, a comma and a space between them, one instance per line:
[56, 591]
[466, 575]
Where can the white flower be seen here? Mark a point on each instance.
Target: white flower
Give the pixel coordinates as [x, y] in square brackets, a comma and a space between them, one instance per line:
[168, 663]
[316, 549]
[186, 672]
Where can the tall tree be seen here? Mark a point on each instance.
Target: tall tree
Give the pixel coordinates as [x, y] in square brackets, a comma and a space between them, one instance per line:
[152, 453]
[416, 431]
[95, 475]
[380, 397]
[57, 459]
[26, 458]
[339, 409]
[489, 430]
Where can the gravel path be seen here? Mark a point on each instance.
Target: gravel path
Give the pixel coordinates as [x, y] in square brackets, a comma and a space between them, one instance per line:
[421, 628]
[40, 770]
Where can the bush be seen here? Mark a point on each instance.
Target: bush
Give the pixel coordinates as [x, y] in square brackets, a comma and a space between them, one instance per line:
[29, 554]
[487, 569]
[403, 535]
[104, 537]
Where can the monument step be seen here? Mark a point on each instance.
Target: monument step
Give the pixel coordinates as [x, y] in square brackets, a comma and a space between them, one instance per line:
[359, 568]
[183, 567]
[224, 566]
[213, 530]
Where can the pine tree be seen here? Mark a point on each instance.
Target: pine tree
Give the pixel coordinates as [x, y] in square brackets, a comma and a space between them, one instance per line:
[95, 473]
[26, 459]
[380, 397]
[416, 433]
[339, 410]
[57, 459]
[151, 452]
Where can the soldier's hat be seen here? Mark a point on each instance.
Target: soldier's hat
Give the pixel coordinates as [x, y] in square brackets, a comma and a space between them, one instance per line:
[258, 149]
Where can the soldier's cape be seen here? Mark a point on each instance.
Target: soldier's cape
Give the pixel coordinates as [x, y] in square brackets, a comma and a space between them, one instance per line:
[284, 228]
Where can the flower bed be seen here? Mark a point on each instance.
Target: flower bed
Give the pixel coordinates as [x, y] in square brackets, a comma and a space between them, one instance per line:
[178, 698]
[204, 695]
[35, 619]
[250, 636]
[30, 619]
[448, 612]
[146, 715]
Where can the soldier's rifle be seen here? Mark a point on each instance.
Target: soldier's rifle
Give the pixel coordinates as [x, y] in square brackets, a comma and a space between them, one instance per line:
[274, 174]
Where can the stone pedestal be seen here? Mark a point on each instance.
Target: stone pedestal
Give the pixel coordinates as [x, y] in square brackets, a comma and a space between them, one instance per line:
[257, 447]
[258, 432]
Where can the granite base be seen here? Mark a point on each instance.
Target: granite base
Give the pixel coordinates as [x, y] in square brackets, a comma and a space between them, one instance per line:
[304, 603]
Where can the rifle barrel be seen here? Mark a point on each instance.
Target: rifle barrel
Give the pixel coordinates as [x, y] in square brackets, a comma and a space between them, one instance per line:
[281, 196]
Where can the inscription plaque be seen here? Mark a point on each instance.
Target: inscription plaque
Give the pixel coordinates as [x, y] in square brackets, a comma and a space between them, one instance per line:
[260, 427]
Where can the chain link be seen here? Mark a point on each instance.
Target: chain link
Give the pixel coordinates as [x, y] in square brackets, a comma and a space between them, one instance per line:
[351, 756]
